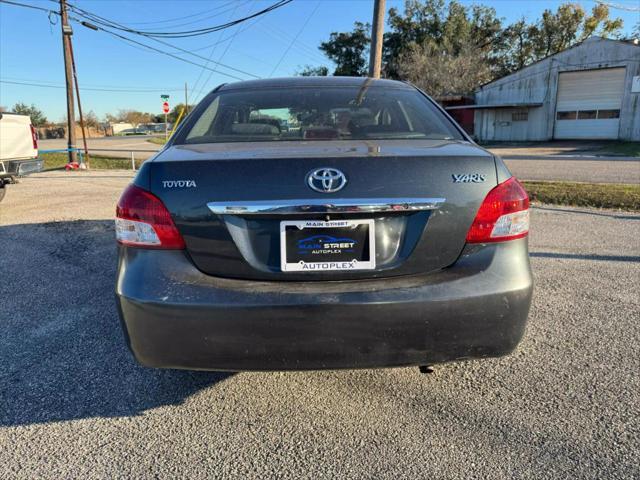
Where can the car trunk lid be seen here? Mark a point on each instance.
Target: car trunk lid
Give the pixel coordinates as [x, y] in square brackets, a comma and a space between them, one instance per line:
[229, 202]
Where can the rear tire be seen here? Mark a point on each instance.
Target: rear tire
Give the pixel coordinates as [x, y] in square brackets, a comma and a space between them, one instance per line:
[3, 190]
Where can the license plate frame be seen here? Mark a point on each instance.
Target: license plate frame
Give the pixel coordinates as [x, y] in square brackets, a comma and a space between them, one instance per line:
[340, 246]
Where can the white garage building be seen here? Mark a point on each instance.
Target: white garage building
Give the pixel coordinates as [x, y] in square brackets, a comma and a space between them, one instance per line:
[589, 91]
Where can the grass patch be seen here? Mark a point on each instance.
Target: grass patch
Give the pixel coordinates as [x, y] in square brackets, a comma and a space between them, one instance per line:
[54, 161]
[157, 140]
[628, 149]
[598, 195]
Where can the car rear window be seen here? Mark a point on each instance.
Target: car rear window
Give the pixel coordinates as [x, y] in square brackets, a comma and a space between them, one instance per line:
[312, 113]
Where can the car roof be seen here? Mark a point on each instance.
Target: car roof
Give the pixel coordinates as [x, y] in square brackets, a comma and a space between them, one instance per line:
[293, 82]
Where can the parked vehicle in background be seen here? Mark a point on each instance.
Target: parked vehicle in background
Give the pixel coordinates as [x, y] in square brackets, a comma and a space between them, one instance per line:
[370, 232]
[18, 149]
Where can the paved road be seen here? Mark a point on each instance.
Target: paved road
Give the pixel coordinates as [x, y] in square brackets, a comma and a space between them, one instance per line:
[75, 405]
[527, 163]
[575, 169]
[568, 161]
[110, 146]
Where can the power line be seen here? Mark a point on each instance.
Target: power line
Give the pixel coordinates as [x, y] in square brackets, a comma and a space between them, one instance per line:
[184, 59]
[98, 85]
[618, 6]
[94, 89]
[171, 20]
[230, 37]
[299, 45]
[139, 45]
[313, 57]
[204, 84]
[176, 19]
[180, 34]
[284, 54]
[134, 42]
[17, 4]
[89, 16]
[196, 84]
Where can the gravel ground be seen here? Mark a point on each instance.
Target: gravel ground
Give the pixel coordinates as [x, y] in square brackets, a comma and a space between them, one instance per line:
[73, 403]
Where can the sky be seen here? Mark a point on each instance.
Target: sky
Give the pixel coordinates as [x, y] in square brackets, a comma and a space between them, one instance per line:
[115, 75]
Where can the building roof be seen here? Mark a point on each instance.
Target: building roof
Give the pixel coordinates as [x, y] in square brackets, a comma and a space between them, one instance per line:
[453, 97]
[496, 105]
[586, 41]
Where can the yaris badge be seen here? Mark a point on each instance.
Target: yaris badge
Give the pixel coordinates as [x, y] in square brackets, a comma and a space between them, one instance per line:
[468, 178]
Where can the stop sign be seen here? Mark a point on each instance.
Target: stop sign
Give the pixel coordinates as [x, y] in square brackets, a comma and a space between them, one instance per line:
[165, 107]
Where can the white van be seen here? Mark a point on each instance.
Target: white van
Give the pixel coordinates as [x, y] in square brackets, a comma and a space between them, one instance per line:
[18, 149]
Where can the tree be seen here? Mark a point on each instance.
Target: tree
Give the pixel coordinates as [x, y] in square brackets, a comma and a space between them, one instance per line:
[556, 31]
[570, 24]
[349, 50]
[444, 69]
[517, 48]
[175, 113]
[111, 118]
[418, 23]
[526, 43]
[442, 30]
[309, 71]
[636, 30]
[600, 18]
[435, 22]
[133, 117]
[438, 23]
[37, 117]
[91, 119]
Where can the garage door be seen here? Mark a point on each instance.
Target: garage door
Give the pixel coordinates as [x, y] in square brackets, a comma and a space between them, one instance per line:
[588, 104]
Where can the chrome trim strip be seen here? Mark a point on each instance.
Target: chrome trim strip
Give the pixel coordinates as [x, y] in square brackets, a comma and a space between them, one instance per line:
[321, 205]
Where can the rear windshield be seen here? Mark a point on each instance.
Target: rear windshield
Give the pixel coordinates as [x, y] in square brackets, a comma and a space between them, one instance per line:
[326, 113]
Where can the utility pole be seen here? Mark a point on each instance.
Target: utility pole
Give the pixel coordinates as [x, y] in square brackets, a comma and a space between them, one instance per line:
[66, 46]
[377, 29]
[165, 110]
[186, 99]
[84, 133]
[166, 128]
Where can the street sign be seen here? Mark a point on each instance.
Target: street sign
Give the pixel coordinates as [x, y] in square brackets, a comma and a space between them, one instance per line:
[165, 107]
[164, 97]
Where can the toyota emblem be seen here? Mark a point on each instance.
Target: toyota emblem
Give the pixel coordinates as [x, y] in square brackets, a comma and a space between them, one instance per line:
[326, 180]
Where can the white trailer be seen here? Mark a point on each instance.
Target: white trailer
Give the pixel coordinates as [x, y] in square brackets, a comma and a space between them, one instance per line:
[18, 149]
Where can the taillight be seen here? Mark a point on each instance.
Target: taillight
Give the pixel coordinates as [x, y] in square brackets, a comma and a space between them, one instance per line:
[34, 137]
[503, 215]
[142, 220]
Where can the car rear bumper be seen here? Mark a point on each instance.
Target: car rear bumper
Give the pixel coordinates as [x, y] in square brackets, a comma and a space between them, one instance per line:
[174, 316]
[13, 168]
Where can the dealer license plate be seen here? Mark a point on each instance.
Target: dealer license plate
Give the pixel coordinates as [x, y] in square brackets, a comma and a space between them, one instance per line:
[320, 246]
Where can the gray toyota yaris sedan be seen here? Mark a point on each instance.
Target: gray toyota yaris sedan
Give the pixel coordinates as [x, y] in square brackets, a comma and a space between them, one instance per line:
[312, 223]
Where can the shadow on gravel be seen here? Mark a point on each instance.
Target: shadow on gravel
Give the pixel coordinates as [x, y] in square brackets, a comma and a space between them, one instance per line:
[578, 256]
[62, 352]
